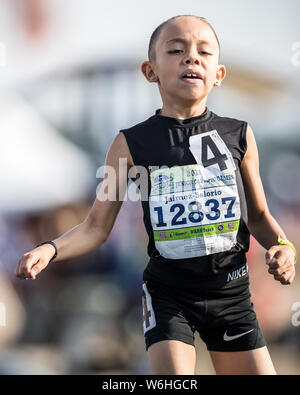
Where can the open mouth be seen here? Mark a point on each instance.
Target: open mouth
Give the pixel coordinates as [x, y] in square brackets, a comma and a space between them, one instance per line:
[192, 79]
[191, 76]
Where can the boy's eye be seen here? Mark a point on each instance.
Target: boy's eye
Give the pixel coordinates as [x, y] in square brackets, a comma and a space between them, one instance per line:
[175, 51]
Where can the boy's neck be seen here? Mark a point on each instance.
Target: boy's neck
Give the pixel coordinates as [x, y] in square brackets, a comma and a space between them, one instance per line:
[180, 112]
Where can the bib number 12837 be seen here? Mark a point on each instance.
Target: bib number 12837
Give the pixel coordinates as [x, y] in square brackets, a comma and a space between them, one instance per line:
[196, 213]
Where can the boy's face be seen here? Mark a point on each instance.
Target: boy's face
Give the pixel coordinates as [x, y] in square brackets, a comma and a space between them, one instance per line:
[185, 44]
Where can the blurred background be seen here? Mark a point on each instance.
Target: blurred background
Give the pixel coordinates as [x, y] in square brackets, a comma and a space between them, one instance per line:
[70, 80]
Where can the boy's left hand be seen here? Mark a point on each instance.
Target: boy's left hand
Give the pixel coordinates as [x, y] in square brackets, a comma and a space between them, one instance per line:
[280, 259]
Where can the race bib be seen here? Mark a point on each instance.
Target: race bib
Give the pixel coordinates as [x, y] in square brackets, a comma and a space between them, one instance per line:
[195, 209]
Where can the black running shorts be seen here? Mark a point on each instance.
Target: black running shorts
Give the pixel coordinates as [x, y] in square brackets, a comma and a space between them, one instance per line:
[220, 310]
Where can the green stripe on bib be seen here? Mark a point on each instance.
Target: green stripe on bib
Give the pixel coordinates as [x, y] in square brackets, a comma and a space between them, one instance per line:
[196, 231]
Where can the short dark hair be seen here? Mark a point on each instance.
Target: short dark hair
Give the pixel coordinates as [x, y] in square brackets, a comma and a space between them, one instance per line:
[157, 31]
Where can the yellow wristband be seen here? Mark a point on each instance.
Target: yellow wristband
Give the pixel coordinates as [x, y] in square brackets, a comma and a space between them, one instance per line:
[288, 243]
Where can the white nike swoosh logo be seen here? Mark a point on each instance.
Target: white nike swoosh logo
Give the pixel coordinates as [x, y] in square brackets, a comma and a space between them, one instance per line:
[228, 338]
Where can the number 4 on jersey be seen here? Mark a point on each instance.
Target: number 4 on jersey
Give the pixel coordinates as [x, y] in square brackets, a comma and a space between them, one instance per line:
[201, 145]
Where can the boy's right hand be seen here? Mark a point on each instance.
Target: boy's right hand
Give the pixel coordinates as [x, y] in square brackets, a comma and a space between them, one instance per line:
[34, 261]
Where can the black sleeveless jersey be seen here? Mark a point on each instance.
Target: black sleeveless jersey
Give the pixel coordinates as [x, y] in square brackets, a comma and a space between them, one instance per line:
[192, 195]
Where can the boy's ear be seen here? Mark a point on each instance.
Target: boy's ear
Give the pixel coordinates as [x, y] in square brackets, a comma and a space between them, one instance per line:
[147, 70]
[221, 74]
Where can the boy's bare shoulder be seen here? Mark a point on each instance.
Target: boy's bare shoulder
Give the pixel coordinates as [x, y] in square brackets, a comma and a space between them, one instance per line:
[119, 149]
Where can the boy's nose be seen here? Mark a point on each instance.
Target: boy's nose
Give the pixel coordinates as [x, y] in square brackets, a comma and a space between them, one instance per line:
[192, 58]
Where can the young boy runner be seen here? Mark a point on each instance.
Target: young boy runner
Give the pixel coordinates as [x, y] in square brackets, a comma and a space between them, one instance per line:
[202, 198]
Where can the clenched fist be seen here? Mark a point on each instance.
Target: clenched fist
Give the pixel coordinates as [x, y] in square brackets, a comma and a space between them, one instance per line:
[34, 261]
[280, 259]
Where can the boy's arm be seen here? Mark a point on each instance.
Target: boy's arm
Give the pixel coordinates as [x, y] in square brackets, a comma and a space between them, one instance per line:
[96, 227]
[261, 224]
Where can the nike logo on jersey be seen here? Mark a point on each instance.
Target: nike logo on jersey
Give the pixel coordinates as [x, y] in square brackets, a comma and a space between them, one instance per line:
[228, 338]
[242, 271]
